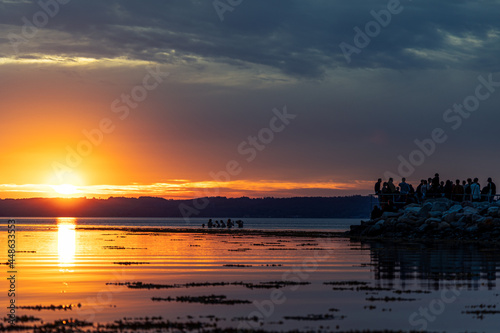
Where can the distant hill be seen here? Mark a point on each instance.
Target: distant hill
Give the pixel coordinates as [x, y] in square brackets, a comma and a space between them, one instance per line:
[301, 207]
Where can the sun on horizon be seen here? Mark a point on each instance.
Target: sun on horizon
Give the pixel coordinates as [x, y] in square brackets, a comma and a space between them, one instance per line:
[65, 189]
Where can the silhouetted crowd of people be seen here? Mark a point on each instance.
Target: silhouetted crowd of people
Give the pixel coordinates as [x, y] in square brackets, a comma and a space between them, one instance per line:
[392, 197]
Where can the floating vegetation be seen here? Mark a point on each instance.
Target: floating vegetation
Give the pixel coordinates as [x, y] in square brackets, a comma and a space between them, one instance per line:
[236, 265]
[281, 249]
[23, 319]
[274, 284]
[260, 285]
[480, 310]
[62, 325]
[114, 247]
[411, 292]
[128, 263]
[390, 299]
[346, 283]
[239, 250]
[25, 251]
[314, 317]
[194, 245]
[368, 288]
[211, 299]
[150, 324]
[50, 307]
[235, 233]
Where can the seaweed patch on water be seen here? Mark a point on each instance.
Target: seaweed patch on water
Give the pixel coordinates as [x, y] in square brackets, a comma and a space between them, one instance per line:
[315, 317]
[61, 325]
[391, 299]
[129, 263]
[260, 285]
[399, 292]
[141, 285]
[347, 283]
[211, 299]
[480, 310]
[274, 284]
[244, 249]
[50, 307]
[25, 251]
[114, 247]
[236, 265]
[24, 319]
[152, 324]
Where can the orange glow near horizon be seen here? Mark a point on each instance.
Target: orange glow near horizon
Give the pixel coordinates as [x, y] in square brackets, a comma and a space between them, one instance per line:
[182, 189]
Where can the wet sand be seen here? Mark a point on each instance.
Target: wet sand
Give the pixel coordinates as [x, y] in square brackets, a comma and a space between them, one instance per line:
[145, 279]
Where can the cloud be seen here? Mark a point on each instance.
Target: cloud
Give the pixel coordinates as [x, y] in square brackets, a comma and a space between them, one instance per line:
[298, 38]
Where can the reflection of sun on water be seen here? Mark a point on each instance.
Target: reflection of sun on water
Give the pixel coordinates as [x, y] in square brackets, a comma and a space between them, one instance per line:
[66, 242]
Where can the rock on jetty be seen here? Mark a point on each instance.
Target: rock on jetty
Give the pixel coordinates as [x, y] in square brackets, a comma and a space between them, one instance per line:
[435, 219]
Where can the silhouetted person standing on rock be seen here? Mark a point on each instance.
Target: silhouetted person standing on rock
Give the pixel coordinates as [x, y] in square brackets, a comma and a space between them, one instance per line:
[475, 190]
[458, 191]
[435, 181]
[448, 189]
[492, 190]
[391, 186]
[404, 188]
[468, 190]
[377, 186]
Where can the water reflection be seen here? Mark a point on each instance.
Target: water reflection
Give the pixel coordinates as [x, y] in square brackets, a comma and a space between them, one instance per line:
[434, 265]
[66, 242]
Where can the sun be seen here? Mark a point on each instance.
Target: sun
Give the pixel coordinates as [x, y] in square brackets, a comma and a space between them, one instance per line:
[65, 189]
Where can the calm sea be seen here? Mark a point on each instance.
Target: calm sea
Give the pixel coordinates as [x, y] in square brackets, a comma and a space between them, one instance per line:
[207, 281]
[249, 223]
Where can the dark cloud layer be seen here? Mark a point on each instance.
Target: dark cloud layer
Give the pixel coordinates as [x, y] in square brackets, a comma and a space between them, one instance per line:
[300, 38]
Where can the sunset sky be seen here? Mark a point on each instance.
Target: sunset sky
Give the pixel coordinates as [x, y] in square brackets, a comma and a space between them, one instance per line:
[188, 98]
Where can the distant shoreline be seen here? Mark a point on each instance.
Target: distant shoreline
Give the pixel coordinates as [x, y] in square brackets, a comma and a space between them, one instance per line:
[150, 207]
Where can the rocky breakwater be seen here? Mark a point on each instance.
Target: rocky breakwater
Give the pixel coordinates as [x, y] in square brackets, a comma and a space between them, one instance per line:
[435, 219]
